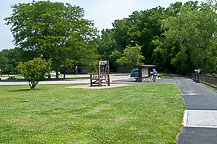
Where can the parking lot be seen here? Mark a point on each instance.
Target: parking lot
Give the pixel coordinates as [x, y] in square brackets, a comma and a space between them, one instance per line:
[113, 78]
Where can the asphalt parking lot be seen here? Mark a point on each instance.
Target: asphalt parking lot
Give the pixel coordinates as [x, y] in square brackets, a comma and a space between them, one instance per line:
[116, 78]
[113, 77]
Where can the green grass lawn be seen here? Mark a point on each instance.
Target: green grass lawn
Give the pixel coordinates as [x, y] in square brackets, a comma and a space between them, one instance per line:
[6, 75]
[165, 75]
[53, 114]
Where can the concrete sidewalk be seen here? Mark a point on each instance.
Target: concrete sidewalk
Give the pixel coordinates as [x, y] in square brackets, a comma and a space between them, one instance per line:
[200, 119]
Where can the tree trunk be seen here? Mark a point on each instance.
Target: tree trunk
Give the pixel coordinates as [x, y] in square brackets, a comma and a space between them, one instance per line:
[204, 66]
[32, 84]
[64, 76]
[57, 76]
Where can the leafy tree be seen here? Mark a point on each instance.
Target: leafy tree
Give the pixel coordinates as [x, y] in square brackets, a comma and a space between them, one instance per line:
[145, 27]
[131, 57]
[106, 43]
[13, 59]
[3, 62]
[179, 38]
[166, 49]
[121, 36]
[34, 70]
[139, 28]
[164, 52]
[194, 29]
[115, 55]
[52, 30]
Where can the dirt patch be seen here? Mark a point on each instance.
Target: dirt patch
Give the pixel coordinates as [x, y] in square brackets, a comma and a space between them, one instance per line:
[98, 87]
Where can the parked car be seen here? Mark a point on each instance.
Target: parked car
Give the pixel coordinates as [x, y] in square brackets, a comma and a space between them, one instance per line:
[52, 73]
[134, 73]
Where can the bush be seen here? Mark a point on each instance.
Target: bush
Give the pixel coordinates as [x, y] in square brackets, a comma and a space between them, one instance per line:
[34, 70]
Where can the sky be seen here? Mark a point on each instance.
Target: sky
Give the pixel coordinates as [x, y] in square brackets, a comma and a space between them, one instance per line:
[102, 12]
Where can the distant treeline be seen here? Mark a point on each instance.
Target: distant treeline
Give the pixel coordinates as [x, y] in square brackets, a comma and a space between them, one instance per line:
[180, 38]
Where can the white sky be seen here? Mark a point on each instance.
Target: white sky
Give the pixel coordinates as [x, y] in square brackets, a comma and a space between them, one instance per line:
[102, 12]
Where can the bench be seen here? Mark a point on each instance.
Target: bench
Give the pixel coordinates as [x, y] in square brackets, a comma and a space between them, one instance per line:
[99, 80]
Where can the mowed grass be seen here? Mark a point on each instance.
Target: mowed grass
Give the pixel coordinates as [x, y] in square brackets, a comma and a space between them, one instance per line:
[54, 114]
[165, 75]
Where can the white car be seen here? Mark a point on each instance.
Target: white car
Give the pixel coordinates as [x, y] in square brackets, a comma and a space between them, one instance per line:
[52, 73]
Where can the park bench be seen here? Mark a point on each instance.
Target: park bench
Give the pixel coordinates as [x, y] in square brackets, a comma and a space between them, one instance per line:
[102, 77]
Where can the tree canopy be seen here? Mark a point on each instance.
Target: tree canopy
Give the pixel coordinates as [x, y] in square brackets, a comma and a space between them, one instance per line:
[190, 37]
[52, 30]
[179, 38]
[131, 57]
[3, 62]
[12, 60]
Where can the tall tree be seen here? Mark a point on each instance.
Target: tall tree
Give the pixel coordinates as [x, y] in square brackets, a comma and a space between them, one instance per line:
[179, 38]
[131, 57]
[139, 28]
[145, 27]
[13, 59]
[166, 49]
[194, 29]
[3, 62]
[106, 43]
[52, 30]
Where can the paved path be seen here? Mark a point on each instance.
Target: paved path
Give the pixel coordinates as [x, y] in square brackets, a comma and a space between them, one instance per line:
[200, 120]
[132, 80]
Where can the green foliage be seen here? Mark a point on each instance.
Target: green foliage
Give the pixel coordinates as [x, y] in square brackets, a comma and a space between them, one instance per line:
[131, 57]
[34, 70]
[106, 44]
[3, 62]
[139, 28]
[52, 30]
[179, 38]
[145, 27]
[115, 55]
[13, 60]
[212, 65]
[193, 29]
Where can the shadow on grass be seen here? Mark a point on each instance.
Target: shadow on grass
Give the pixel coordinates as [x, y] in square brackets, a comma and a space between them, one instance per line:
[66, 79]
[23, 90]
[13, 80]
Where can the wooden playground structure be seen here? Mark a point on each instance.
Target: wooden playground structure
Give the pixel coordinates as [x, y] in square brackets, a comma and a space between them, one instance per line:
[102, 77]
